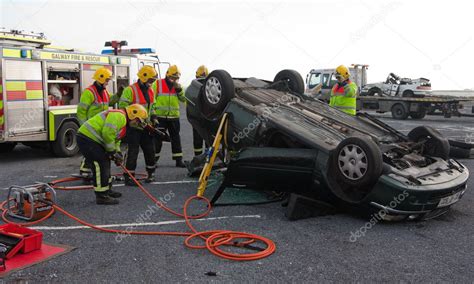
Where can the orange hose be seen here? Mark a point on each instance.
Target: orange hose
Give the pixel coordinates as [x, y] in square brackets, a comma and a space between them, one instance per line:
[213, 239]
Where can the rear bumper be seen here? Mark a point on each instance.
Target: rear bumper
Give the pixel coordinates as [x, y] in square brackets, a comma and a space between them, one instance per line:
[396, 198]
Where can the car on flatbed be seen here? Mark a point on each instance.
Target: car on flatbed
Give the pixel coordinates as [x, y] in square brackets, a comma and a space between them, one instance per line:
[283, 140]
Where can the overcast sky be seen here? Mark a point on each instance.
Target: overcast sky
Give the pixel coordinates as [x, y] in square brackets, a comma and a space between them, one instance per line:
[432, 39]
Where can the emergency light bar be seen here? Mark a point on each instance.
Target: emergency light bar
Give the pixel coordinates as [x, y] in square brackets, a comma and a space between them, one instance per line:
[129, 51]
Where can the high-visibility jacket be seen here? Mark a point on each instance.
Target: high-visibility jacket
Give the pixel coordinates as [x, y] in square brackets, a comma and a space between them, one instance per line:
[91, 103]
[134, 95]
[344, 97]
[106, 128]
[167, 101]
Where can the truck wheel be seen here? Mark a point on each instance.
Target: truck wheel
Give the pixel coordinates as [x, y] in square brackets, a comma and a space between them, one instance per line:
[418, 115]
[293, 78]
[7, 147]
[436, 144]
[217, 92]
[399, 111]
[357, 161]
[66, 142]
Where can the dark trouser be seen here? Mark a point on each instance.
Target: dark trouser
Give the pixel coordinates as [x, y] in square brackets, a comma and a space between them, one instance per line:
[198, 143]
[137, 139]
[173, 127]
[97, 160]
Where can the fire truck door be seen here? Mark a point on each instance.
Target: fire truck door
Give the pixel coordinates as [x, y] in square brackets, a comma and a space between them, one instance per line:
[24, 97]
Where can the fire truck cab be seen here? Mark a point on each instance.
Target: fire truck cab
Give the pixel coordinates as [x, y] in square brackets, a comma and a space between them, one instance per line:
[40, 87]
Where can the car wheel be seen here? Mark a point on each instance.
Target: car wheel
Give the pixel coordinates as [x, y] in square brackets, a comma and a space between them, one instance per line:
[217, 92]
[408, 94]
[418, 115]
[66, 140]
[7, 147]
[357, 162]
[292, 78]
[399, 111]
[374, 92]
[436, 145]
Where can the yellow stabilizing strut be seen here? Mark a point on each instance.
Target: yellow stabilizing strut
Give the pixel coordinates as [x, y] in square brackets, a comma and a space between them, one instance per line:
[211, 156]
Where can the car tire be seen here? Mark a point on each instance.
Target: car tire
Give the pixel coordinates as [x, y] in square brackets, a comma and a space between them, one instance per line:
[374, 91]
[7, 147]
[66, 140]
[357, 161]
[436, 145]
[217, 92]
[293, 78]
[459, 153]
[399, 111]
[408, 94]
[418, 115]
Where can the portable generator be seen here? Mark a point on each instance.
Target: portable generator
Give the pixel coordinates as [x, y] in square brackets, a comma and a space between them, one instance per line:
[31, 202]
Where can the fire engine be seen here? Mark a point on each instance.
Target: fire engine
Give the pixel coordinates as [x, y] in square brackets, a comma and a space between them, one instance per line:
[40, 87]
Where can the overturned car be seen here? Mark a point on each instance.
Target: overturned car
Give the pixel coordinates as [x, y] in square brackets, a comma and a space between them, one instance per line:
[281, 140]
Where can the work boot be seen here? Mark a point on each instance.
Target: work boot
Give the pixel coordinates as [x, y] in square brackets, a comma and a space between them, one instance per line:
[179, 163]
[114, 194]
[129, 181]
[103, 198]
[150, 178]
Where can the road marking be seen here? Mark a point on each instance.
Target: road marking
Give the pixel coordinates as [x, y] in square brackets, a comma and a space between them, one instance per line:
[163, 182]
[65, 228]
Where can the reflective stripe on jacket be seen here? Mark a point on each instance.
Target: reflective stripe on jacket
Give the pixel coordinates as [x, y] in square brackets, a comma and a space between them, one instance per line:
[344, 97]
[167, 101]
[91, 103]
[134, 95]
[106, 128]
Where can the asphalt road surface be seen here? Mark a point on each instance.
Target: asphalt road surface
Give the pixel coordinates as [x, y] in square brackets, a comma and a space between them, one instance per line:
[315, 249]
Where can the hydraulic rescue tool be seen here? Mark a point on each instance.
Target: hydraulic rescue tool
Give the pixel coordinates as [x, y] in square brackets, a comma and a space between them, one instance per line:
[31, 202]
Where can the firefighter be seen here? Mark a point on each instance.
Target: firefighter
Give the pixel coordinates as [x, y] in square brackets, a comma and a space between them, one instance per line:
[140, 93]
[344, 92]
[99, 141]
[94, 100]
[198, 142]
[168, 95]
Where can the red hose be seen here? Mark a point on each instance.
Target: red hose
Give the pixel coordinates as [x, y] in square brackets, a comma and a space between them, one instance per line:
[214, 239]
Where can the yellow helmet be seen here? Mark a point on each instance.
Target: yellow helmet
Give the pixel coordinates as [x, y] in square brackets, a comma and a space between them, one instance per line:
[173, 72]
[146, 73]
[136, 111]
[102, 74]
[202, 72]
[343, 71]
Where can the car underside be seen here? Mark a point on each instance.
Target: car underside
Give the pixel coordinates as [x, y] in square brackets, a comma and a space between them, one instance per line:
[281, 140]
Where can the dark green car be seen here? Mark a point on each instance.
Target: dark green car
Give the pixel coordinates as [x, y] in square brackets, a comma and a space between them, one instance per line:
[285, 141]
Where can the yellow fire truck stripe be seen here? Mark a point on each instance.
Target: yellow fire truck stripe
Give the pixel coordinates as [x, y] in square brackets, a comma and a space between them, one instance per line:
[16, 53]
[34, 94]
[16, 86]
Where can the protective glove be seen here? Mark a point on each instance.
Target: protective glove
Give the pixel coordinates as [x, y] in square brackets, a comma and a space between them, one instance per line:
[178, 88]
[154, 120]
[117, 157]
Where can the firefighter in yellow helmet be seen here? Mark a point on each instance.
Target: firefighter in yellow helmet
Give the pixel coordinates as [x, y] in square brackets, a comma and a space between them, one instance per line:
[94, 99]
[140, 93]
[198, 142]
[344, 92]
[99, 141]
[168, 94]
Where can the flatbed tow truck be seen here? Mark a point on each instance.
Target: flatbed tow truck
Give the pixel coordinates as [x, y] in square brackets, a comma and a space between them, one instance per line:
[421, 102]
